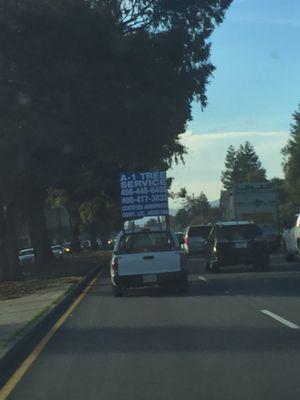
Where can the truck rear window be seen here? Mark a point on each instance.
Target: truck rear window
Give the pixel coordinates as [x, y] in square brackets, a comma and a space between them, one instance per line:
[146, 241]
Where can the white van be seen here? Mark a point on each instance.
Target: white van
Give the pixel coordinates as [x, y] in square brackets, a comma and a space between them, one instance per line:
[147, 257]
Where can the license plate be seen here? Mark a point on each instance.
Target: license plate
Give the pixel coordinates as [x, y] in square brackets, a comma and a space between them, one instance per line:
[149, 278]
[241, 245]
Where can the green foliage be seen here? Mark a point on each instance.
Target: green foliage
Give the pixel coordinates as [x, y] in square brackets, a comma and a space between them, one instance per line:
[230, 162]
[198, 207]
[286, 207]
[196, 210]
[242, 165]
[291, 163]
[182, 219]
[90, 88]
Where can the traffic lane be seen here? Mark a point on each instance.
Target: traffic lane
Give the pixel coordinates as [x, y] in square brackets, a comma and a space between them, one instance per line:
[148, 345]
[278, 264]
[276, 291]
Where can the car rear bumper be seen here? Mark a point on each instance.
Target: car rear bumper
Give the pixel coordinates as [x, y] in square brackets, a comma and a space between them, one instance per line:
[229, 258]
[137, 280]
[274, 244]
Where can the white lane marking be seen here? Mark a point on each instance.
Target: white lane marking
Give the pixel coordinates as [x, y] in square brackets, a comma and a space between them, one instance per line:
[201, 278]
[280, 319]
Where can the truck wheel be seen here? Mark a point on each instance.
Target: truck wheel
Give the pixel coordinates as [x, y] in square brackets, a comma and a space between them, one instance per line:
[118, 290]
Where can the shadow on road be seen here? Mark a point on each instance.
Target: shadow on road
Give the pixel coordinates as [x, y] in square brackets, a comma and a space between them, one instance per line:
[160, 339]
[283, 280]
[220, 285]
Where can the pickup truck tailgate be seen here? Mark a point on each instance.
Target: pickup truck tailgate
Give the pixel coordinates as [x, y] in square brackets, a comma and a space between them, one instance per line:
[149, 263]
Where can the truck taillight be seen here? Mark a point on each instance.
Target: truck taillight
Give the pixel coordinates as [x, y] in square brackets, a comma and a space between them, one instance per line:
[186, 240]
[183, 261]
[115, 265]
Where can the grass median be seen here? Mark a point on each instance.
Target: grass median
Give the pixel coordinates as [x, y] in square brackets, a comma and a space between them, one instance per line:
[54, 274]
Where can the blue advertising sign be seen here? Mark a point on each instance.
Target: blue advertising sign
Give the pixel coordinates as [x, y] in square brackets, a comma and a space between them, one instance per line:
[144, 194]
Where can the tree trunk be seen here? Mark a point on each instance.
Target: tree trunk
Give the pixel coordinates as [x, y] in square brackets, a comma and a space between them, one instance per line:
[75, 227]
[12, 270]
[2, 244]
[93, 235]
[9, 260]
[38, 233]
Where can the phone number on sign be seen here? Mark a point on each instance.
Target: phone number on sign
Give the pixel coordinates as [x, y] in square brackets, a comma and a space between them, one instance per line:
[145, 199]
[143, 191]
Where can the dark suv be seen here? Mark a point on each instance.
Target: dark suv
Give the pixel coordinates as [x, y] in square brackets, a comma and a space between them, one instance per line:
[233, 243]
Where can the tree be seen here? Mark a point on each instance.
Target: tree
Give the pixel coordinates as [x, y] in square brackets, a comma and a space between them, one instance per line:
[182, 219]
[291, 162]
[198, 208]
[286, 207]
[230, 162]
[94, 86]
[242, 165]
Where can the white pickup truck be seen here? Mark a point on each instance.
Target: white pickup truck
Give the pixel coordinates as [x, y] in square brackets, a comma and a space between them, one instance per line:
[147, 257]
[291, 240]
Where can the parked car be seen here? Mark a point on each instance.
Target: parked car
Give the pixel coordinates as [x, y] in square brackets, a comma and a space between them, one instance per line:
[58, 251]
[237, 242]
[67, 247]
[147, 258]
[195, 239]
[85, 244]
[26, 256]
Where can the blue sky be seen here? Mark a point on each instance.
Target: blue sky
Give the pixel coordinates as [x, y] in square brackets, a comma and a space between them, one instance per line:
[252, 95]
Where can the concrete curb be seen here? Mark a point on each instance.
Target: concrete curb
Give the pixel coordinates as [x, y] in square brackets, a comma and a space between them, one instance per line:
[24, 344]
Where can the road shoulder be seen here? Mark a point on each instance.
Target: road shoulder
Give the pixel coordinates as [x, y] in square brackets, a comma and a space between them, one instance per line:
[27, 333]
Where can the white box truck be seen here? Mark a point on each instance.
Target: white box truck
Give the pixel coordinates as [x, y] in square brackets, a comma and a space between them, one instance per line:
[255, 202]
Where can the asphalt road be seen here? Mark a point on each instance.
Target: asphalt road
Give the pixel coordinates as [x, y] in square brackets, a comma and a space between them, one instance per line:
[214, 342]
